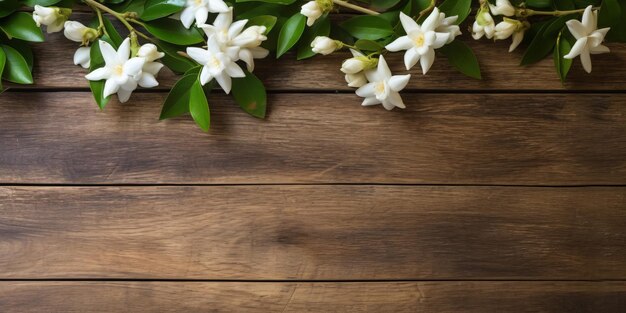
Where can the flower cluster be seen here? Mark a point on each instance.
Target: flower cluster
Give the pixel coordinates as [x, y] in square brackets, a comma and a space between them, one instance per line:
[209, 41]
[227, 43]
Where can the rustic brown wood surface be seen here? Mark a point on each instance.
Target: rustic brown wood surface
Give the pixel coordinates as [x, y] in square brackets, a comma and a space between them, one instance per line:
[506, 194]
[396, 297]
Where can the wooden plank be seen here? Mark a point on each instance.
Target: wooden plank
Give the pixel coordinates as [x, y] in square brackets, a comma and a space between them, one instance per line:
[313, 232]
[190, 297]
[54, 69]
[521, 139]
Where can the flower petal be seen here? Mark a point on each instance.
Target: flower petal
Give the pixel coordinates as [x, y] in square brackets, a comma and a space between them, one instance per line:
[259, 52]
[431, 21]
[133, 66]
[370, 101]
[402, 43]
[236, 28]
[246, 56]
[152, 68]
[201, 15]
[82, 57]
[147, 80]
[187, 16]
[408, 23]
[99, 74]
[199, 55]
[233, 70]
[224, 19]
[517, 39]
[366, 90]
[123, 52]
[395, 99]
[123, 95]
[440, 40]
[217, 6]
[108, 53]
[205, 76]
[110, 87]
[576, 28]
[600, 49]
[585, 59]
[588, 20]
[398, 82]
[225, 82]
[427, 60]
[383, 69]
[577, 48]
[410, 58]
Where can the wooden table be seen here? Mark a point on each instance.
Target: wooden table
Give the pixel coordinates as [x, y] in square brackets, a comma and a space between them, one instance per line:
[500, 195]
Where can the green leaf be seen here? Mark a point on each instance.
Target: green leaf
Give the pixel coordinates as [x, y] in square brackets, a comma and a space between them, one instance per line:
[97, 87]
[249, 10]
[462, 58]
[263, 20]
[563, 47]
[21, 25]
[116, 38]
[540, 46]
[613, 15]
[383, 5]
[44, 3]
[320, 28]
[173, 31]
[3, 59]
[250, 94]
[177, 101]
[8, 6]
[130, 6]
[564, 5]
[281, 2]
[542, 4]
[199, 106]
[552, 30]
[368, 45]
[16, 68]
[174, 61]
[154, 9]
[290, 33]
[368, 27]
[24, 49]
[456, 7]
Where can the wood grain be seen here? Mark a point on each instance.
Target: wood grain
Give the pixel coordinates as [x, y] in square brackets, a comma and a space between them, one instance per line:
[501, 70]
[519, 139]
[313, 232]
[190, 297]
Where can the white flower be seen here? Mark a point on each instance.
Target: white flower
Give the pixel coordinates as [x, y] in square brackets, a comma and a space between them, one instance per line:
[382, 87]
[502, 7]
[588, 38]
[52, 17]
[82, 57]
[446, 25]
[312, 11]
[199, 10]
[228, 35]
[217, 64]
[356, 80]
[324, 45]
[420, 41]
[510, 27]
[119, 71]
[147, 77]
[484, 25]
[76, 31]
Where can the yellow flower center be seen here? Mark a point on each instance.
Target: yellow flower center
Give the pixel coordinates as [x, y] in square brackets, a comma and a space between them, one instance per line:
[215, 62]
[198, 2]
[119, 70]
[419, 41]
[379, 88]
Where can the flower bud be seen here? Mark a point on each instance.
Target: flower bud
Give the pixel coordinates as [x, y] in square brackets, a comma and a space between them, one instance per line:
[251, 37]
[82, 57]
[52, 17]
[502, 7]
[484, 25]
[76, 31]
[504, 30]
[149, 52]
[312, 10]
[324, 45]
[352, 66]
[356, 80]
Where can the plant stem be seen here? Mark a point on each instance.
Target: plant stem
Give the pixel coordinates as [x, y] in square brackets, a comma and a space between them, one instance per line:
[104, 8]
[353, 7]
[101, 21]
[429, 8]
[529, 12]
